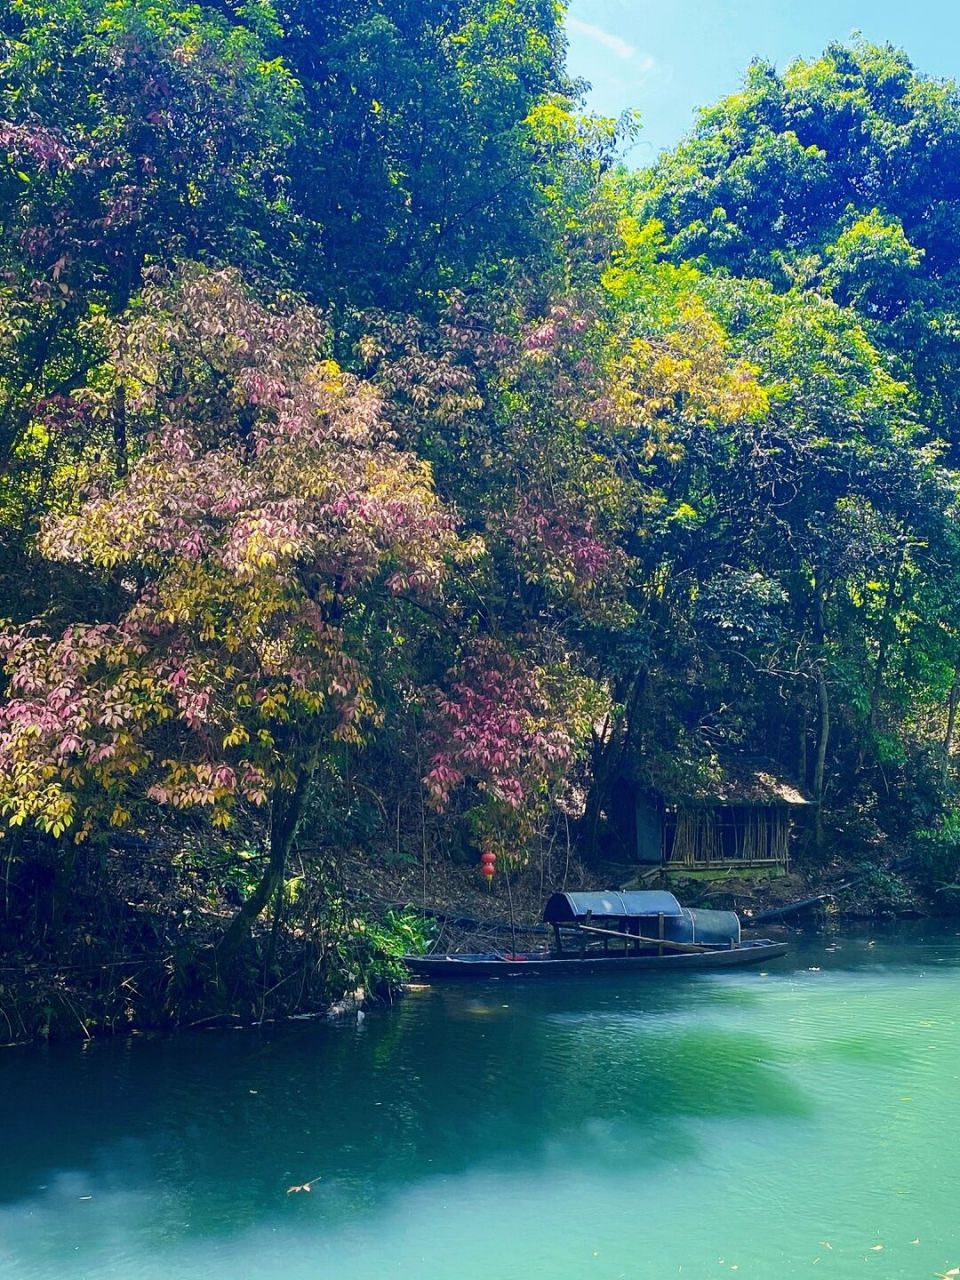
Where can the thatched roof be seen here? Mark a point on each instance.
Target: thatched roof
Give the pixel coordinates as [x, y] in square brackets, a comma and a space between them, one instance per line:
[741, 782]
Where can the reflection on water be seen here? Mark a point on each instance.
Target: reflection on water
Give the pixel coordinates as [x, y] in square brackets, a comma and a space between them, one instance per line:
[758, 1122]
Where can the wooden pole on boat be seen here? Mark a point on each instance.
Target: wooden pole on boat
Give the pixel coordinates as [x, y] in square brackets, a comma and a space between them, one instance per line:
[513, 927]
[638, 938]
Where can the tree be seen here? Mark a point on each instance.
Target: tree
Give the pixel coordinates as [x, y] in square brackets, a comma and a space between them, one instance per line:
[834, 175]
[422, 140]
[268, 523]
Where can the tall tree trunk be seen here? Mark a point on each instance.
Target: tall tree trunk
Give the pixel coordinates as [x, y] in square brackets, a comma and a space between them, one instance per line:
[286, 812]
[609, 755]
[65, 855]
[823, 706]
[823, 739]
[883, 653]
[605, 758]
[951, 725]
[802, 760]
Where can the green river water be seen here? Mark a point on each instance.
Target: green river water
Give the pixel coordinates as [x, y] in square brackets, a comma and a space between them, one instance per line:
[799, 1120]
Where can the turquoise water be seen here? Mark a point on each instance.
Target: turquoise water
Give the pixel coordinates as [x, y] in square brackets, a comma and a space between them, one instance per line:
[801, 1120]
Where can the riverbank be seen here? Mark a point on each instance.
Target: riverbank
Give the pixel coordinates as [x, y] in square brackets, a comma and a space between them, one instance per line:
[136, 947]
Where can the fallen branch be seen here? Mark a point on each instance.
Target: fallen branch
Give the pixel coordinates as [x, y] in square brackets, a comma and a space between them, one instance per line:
[794, 908]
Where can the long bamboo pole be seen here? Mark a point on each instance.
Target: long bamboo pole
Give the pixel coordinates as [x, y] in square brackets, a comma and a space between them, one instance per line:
[651, 942]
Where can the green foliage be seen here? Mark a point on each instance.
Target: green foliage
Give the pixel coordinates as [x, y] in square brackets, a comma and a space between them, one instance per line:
[395, 934]
[834, 175]
[872, 266]
[433, 132]
[938, 854]
[363, 951]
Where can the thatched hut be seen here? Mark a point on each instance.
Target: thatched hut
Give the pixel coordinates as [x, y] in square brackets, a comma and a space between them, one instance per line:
[743, 818]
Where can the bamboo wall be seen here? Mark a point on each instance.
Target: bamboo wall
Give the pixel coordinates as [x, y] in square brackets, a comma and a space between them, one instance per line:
[729, 834]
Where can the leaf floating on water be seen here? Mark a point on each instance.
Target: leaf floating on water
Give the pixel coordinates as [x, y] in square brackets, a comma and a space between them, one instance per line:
[303, 1186]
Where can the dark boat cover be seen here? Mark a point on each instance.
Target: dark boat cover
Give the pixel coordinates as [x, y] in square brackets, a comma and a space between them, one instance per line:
[699, 925]
[566, 908]
[681, 924]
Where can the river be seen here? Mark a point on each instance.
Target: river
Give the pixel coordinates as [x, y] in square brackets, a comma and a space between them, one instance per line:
[797, 1120]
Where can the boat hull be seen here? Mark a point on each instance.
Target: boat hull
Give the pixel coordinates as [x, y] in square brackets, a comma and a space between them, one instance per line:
[537, 966]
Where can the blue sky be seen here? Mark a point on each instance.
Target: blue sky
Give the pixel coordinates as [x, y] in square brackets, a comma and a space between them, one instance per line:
[669, 57]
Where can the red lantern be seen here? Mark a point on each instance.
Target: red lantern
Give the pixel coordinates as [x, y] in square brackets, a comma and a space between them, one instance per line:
[488, 856]
[488, 865]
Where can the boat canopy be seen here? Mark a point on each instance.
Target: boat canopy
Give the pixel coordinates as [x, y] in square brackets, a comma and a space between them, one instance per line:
[568, 908]
[680, 924]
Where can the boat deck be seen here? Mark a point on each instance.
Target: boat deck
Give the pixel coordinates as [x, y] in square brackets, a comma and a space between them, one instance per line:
[541, 964]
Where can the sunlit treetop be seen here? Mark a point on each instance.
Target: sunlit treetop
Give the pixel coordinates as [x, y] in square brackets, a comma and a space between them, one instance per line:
[266, 510]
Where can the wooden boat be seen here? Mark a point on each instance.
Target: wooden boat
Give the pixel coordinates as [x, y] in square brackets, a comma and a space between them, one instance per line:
[596, 933]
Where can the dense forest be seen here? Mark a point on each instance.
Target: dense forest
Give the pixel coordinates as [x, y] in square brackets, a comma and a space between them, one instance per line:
[387, 469]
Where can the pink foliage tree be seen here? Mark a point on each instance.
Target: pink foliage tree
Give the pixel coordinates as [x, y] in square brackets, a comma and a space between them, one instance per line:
[269, 509]
[510, 727]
